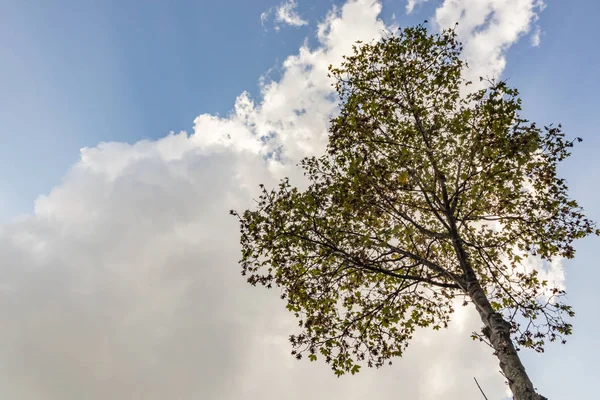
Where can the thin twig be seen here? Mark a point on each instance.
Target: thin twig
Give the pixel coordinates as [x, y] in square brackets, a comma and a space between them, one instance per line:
[481, 390]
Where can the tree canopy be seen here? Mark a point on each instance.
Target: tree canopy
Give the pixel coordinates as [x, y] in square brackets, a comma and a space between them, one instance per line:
[429, 196]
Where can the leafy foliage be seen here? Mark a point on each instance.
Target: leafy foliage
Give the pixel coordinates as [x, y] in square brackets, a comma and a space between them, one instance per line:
[423, 193]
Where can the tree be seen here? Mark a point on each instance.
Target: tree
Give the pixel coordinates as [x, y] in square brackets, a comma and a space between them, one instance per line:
[425, 198]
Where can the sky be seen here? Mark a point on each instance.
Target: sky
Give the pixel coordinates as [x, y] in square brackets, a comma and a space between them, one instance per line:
[129, 129]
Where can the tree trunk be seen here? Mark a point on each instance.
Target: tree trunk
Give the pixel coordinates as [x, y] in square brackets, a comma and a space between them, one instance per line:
[497, 331]
[496, 328]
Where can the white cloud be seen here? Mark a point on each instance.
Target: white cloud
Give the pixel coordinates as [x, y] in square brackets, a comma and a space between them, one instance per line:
[284, 14]
[410, 5]
[536, 37]
[488, 28]
[264, 16]
[124, 284]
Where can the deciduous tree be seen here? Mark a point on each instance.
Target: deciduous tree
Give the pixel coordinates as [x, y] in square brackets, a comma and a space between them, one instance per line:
[426, 198]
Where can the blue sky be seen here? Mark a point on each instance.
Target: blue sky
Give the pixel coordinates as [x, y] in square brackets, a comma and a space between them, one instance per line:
[558, 82]
[77, 73]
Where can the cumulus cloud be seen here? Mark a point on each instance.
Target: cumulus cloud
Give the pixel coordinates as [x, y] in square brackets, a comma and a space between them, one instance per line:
[124, 283]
